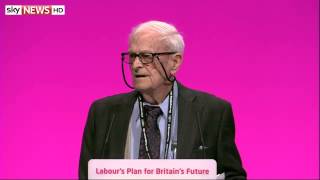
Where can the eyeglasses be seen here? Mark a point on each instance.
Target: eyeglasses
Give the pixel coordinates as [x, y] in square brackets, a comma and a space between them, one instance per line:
[144, 57]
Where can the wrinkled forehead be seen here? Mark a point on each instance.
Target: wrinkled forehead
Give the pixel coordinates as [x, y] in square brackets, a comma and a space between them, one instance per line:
[146, 41]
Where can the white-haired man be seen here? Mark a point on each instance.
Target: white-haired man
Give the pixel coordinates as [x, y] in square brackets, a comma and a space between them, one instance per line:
[160, 119]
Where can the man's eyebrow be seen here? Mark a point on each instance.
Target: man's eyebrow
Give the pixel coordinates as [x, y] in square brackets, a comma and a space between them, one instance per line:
[146, 51]
[142, 51]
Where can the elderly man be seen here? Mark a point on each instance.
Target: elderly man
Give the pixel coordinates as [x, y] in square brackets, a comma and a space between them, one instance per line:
[160, 119]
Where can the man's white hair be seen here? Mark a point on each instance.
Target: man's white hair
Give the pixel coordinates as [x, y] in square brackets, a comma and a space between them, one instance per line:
[168, 33]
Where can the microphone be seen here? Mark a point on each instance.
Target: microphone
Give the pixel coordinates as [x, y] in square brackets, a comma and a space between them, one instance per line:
[202, 147]
[107, 136]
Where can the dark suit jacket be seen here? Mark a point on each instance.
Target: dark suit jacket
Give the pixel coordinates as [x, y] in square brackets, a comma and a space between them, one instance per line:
[106, 130]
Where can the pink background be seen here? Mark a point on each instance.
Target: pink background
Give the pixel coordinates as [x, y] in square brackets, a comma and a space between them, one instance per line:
[262, 56]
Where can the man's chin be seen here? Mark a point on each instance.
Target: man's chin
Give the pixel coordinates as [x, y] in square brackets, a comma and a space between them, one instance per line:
[141, 87]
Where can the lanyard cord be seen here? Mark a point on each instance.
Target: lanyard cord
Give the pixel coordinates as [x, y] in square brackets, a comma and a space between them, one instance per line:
[169, 122]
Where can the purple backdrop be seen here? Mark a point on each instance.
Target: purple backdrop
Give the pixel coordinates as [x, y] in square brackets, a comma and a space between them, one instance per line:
[262, 56]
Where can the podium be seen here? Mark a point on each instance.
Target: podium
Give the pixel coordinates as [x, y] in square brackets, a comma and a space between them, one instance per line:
[152, 169]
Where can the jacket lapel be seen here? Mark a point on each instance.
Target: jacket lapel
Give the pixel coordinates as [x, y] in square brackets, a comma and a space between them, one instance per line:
[187, 123]
[122, 112]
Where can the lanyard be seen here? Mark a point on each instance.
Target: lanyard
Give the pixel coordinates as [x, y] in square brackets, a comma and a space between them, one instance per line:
[169, 122]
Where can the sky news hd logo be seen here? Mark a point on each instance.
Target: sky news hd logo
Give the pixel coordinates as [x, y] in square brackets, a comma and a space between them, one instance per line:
[12, 10]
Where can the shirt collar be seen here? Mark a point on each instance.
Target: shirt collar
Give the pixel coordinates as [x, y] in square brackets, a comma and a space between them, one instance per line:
[164, 105]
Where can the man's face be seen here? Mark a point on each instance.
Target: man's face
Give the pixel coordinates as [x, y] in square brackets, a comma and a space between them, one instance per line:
[151, 76]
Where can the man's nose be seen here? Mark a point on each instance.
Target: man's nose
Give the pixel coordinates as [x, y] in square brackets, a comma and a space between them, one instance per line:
[136, 63]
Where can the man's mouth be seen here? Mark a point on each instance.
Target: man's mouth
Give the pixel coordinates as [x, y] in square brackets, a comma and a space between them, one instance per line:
[140, 76]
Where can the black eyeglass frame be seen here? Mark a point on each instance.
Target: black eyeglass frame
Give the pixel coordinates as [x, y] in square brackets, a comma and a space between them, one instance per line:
[123, 54]
[171, 78]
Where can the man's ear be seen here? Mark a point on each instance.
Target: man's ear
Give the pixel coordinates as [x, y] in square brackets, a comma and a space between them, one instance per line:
[177, 61]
